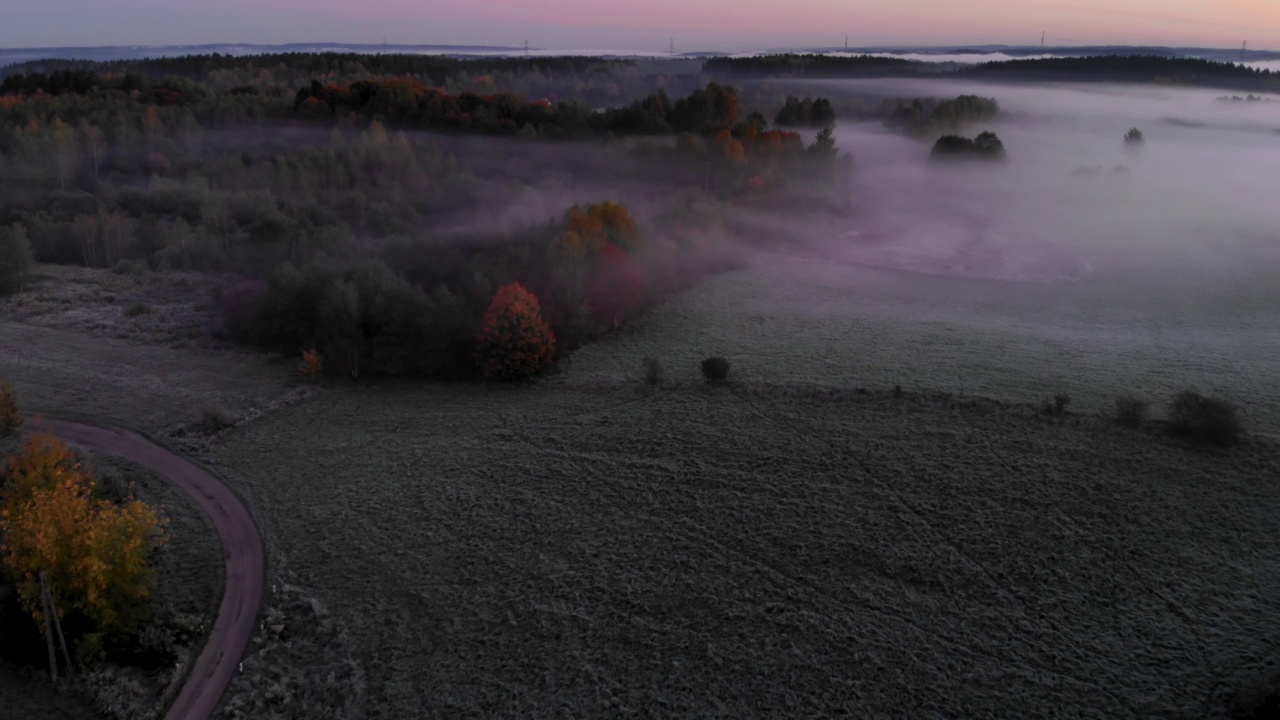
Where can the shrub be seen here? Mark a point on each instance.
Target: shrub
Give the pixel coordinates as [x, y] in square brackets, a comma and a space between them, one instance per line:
[1204, 419]
[514, 341]
[131, 266]
[214, 420]
[1131, 411]
[1056, 405]
[10, 415]
[1134, 137]
[136, 309]
[654, 374]
[312, 366]
[715, 369]
[239, 306]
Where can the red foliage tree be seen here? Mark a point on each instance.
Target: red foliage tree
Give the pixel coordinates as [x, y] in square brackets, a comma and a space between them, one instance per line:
[618, 285]
[514, 341]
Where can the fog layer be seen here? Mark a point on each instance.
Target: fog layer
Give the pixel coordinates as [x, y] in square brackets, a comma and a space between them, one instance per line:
[1050, 273]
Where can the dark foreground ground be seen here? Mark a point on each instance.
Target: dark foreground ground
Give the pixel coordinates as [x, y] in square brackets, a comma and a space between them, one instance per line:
[574, 551]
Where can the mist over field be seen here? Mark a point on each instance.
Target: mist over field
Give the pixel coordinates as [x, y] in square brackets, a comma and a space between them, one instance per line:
[1077, 266]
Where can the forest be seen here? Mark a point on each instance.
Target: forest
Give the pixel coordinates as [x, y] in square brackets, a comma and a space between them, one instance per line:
[816, 66]
[1129, 68]
[345, 198]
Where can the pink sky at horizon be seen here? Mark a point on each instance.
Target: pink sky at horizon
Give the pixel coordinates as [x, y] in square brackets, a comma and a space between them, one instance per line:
[630, 25]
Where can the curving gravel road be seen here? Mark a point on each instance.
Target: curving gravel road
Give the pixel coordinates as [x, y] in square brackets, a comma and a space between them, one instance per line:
[242, 550]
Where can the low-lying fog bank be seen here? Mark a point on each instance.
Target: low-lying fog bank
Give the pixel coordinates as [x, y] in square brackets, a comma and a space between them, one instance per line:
[1072, 201]
[1144, 279]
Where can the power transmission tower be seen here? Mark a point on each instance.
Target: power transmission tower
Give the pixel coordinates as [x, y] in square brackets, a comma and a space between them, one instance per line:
[846, 43]
[1244, 50]
[526, 48]
[1041, 39]
[672, 49]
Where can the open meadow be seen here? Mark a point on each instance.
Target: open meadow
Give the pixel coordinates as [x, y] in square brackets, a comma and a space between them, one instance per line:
[588, 550]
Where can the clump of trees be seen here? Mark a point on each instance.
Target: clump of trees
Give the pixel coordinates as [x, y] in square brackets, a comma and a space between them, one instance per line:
[514, 341]
[985, 147]
[927, 117]
[80, 562]
[806, 113]
[1134, 138]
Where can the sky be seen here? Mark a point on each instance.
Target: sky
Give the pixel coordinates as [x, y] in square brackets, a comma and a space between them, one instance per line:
[694, 25]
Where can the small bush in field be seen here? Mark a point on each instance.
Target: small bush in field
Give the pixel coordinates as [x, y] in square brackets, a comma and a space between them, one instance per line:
[1204, 419]
[1056, 405]
[312, 366]
[654, 374]
[10, 415]
[1131, 411]
[715, 369]
[136, 309]
[214, 420]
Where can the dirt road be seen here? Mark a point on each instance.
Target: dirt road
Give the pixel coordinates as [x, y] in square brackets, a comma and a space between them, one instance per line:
[241, 546]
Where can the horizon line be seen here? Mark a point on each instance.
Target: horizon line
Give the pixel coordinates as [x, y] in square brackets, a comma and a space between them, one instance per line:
[582, 48]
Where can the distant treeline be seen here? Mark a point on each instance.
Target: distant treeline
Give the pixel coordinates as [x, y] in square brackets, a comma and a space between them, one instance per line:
[408, 103]
[813, 66]
[1128, 68]
[594, 81]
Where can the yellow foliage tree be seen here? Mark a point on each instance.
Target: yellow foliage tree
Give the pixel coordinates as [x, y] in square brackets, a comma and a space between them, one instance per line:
[89, 554]
[603, 223]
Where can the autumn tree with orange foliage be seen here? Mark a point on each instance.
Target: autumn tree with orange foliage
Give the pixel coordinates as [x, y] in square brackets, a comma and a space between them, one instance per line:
[10, 415]
[312, 366]
[514, 341]
[71, 550]
[589, 228]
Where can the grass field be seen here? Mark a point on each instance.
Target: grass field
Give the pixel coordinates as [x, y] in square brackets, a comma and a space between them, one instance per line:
[811, 319]
[575, 549]
[787, 547]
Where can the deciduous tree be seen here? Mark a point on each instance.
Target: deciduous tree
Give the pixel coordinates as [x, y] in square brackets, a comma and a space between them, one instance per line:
[514, 341]
[71, 549]
[617, 286]
[10, 415]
